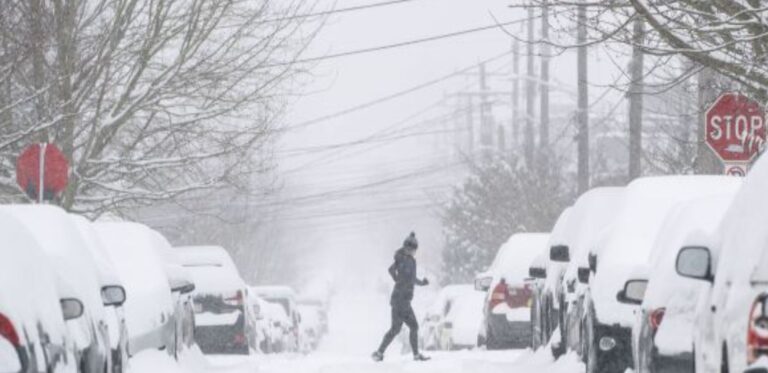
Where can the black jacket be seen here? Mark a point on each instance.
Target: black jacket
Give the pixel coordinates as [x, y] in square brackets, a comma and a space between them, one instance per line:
[403, 271]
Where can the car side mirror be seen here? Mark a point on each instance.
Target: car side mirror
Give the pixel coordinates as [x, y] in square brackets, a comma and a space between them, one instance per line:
[633, 292]
[584, 275]
[592, 262]
[185, 288]
[695, 262]
[483, 283]
[113, 295]
[559, 253]
[71, 308]
[537, 272]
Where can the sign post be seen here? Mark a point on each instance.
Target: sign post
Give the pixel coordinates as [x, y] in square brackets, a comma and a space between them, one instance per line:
[42, 171]
[735, 131]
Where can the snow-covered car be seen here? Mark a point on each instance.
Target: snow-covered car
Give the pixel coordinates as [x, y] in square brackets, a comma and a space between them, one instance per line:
[76, 275]
[112, 291]
[592, 213]
[461, 322]
[181, 285]
[506, 319]
[322, 308]
[259, 330]
[626, 249]
[731, 319]
[149, 306]
[537, 273]
[279, 327]
[286, 298]
[555, 269]
[663, 331]
[221, 320]
[33, 330]
[311, 326]
[431, 327]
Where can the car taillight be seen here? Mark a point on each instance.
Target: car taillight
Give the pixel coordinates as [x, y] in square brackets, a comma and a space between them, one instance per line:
[8, 332]
[656, 317]
[236, 300]
[499, 294]
[239, 338]
[757, 331]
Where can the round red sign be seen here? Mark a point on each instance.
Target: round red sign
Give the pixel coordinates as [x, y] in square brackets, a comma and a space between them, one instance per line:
[735, 127]
[54, 166]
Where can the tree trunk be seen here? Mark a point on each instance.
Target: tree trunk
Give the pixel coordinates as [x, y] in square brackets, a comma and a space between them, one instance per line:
[636, 102]
[582, 115]
[544, 108]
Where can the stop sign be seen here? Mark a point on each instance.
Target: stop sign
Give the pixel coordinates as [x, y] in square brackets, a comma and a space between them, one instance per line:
[735, 127]
[54, 167]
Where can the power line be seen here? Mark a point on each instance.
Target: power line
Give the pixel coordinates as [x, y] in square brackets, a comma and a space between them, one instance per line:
[337, 11]
[394, 45]
[389, 97]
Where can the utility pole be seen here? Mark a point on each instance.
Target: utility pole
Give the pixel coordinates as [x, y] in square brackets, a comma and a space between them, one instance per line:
[470, 128]
[530, 92]
[636, 102]
[486, 127]
[706, 162]
[515, 94]
[582, 114]
[544, 109]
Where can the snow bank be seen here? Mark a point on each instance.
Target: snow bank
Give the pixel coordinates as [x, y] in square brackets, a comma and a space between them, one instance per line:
[629, 243]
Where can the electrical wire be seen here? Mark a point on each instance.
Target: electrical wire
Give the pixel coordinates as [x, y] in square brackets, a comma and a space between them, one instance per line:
[338, 11]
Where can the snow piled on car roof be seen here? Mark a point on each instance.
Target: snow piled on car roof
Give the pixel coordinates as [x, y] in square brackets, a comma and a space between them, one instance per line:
[515, 257]
[630, 241]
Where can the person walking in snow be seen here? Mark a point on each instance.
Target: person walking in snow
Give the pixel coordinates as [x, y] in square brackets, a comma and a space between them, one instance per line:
[403, 271]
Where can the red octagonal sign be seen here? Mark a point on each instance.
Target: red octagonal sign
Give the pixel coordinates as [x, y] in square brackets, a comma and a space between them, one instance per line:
[54, 167]
[735, 127]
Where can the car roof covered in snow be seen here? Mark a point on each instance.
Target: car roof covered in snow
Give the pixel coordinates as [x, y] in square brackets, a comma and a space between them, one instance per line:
[211, 268]
[275, 291]
[140, 266]
[108, 275]
[514, 258]
[60, 239]
[591, 214]
[28, 294]
[688, 220]
[629, 242]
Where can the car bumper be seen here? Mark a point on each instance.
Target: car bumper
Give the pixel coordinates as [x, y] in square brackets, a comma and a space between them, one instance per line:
[513, 333]
[614, 344]
[221, 339]
[673, 363]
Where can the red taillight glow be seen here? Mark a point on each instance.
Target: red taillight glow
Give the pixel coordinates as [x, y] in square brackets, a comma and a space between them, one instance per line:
[236, 300]
[757, 331]
[8, 332]
[239, 338]
[498, 295]
[655, 318]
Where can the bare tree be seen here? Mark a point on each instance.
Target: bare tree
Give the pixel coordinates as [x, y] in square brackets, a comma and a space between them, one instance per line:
[149, 100]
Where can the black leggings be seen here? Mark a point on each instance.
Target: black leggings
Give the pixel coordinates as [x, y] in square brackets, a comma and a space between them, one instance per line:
[402, 313]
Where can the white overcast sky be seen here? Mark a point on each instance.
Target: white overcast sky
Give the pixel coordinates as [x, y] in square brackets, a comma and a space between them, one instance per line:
[367, 239]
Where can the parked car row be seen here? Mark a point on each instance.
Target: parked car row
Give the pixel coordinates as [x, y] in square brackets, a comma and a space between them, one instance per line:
[82, 296]
[667, 274]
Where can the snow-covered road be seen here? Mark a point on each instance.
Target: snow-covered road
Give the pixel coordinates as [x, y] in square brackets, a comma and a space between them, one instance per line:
[356, 324]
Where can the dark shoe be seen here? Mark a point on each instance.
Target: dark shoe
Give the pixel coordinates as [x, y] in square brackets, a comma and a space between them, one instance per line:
[420, 357]
[377, 356]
